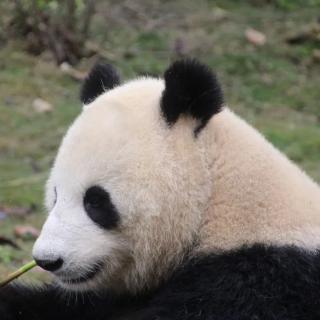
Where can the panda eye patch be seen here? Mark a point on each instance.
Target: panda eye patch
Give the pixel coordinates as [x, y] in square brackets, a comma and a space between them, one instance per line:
[99, 207]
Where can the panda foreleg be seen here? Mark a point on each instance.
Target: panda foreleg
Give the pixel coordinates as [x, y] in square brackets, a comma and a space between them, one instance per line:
[20, 302]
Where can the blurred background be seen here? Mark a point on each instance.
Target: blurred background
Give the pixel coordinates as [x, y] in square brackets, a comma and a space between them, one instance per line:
[265, 52]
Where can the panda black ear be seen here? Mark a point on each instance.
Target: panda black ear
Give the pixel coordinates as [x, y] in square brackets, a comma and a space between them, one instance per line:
[191, 88]
[101, 78]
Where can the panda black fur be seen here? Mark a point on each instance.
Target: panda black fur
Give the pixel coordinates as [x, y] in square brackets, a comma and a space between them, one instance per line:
[151, 221]
[257, 282]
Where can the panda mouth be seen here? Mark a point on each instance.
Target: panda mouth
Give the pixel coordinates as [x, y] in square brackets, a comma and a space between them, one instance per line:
[85, 277]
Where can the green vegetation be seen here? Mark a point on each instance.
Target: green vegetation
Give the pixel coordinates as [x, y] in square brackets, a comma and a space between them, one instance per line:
[274, 86]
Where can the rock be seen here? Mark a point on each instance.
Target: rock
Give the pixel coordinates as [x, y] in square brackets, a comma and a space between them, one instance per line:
[15, 211]
[309, 33]
[255, 37]
[3, 215]
[41, 106]
[219, 13]
[9, 101]
[26, 232]
[66, 68]
[316, 55]
[8, 242]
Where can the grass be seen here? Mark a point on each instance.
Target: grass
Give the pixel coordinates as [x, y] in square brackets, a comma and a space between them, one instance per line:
[275, 87]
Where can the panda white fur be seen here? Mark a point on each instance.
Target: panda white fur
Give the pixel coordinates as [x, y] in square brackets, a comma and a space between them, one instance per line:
[164, 204]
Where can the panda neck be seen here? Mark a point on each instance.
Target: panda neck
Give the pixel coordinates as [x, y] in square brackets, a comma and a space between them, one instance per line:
[258, 195]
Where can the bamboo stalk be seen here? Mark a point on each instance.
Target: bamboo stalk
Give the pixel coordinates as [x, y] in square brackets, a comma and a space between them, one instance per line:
[18, 273]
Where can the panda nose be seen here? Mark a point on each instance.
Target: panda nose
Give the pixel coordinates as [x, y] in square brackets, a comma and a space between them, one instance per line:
[50, 265]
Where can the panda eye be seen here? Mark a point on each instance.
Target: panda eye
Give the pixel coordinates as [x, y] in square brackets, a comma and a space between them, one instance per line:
[99, 207]
[94, 200]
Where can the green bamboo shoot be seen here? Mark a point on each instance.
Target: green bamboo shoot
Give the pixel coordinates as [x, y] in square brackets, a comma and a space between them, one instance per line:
[18, 273]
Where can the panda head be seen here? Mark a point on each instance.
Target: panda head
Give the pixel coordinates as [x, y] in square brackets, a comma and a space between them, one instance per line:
[130, 182]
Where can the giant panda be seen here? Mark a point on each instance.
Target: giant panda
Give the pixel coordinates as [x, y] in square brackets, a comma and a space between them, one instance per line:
[164, 204]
